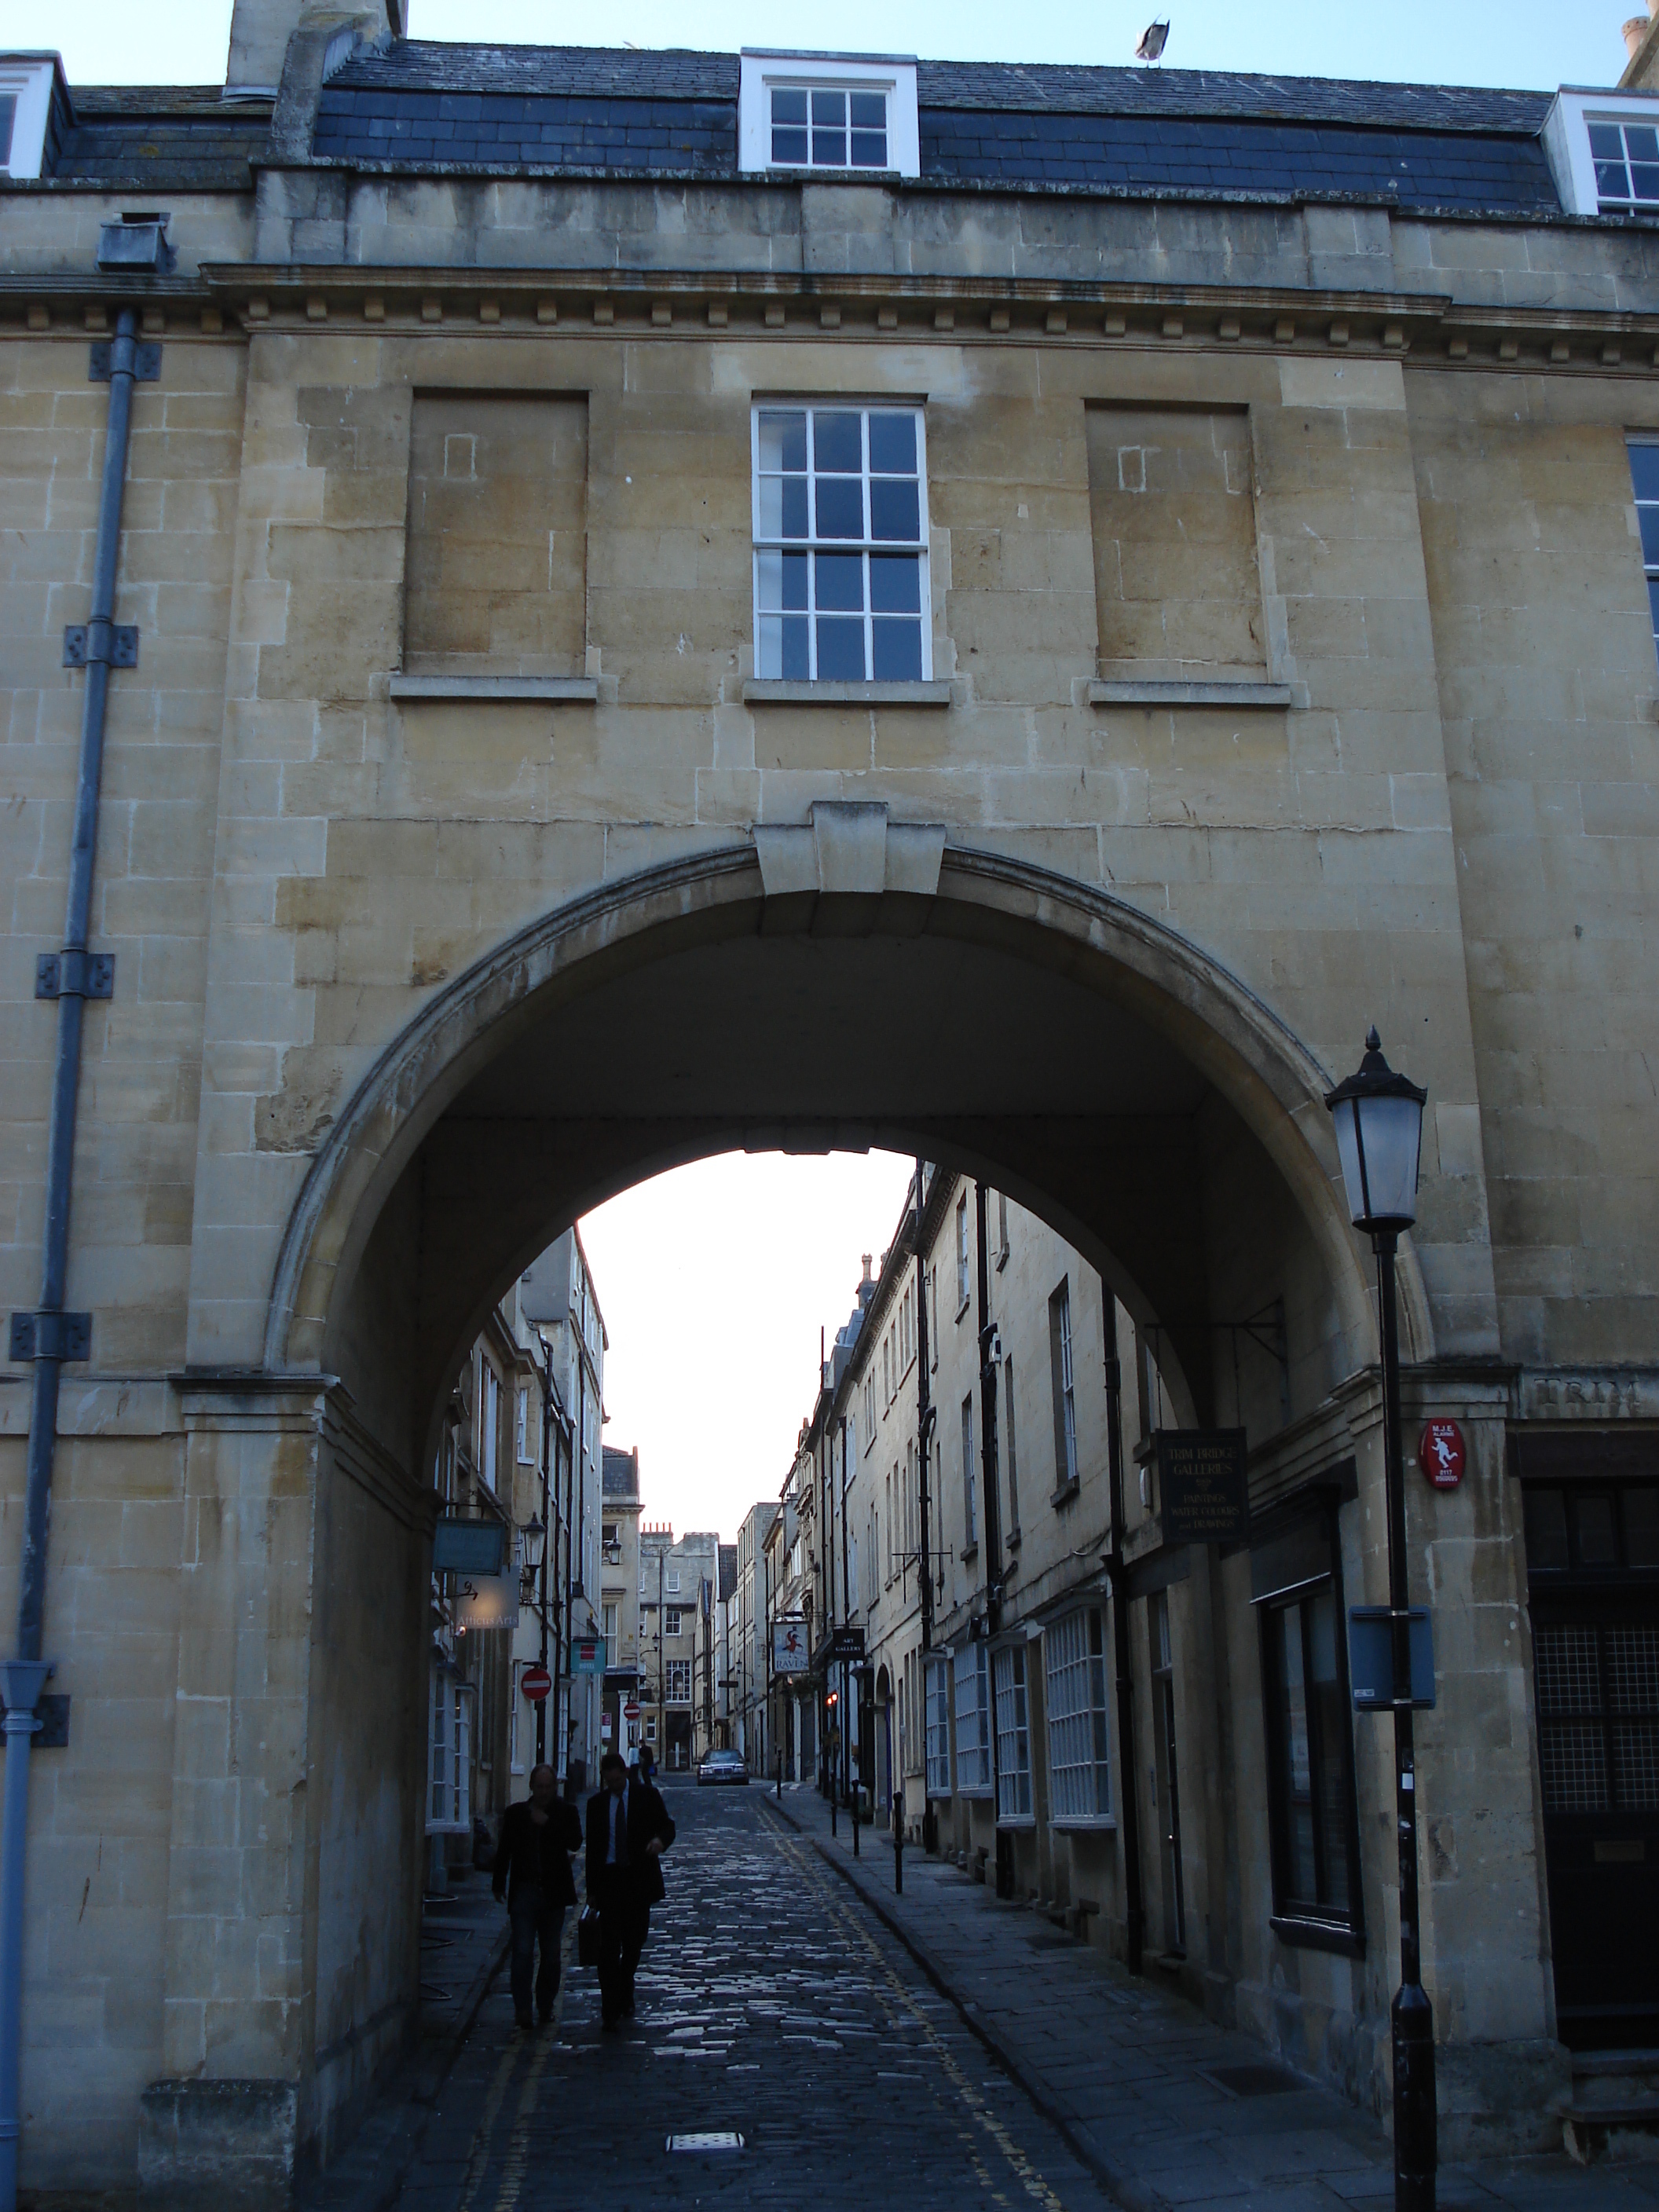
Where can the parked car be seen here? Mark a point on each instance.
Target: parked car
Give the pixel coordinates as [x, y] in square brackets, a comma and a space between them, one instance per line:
[722, 1767]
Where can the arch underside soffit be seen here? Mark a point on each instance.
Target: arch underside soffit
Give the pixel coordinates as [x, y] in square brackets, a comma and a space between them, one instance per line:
[1078, 1054]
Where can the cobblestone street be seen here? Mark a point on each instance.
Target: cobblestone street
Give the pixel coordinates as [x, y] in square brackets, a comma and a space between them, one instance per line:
[771, 2003]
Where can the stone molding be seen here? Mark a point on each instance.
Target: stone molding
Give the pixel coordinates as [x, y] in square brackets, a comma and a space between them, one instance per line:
[571, 689]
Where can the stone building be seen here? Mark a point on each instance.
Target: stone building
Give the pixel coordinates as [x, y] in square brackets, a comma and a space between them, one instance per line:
[622, 597]
[748, 1662]
[673, 1578]
[558, 1299]
[619, 1594]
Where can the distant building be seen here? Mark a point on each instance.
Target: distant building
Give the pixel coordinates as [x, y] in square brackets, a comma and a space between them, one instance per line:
[672, 1580]
[619, 1595]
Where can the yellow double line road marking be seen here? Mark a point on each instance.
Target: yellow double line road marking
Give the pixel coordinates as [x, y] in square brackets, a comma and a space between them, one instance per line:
[517, 2147]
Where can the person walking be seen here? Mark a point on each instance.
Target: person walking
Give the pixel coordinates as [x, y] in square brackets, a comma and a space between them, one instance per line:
[532, 1873]
[628, 1832]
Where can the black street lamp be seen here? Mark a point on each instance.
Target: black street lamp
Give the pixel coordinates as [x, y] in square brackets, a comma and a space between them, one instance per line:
[1378, 1120]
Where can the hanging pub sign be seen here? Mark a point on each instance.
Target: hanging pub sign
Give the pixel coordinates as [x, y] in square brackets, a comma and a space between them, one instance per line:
[846, 1642]
[468, 1547]
[1202, 1485]
[789, 1653]
[487, 1600]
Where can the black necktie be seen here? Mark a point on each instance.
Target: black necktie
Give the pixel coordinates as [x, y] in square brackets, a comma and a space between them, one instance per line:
[621, 1829]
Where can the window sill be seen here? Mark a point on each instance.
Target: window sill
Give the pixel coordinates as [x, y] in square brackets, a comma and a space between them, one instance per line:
[1013, 1540]
[1112, 691]
[1065, 1494]
[962, 1308]
[1318, 1935]
[1086, 1824]
[571, 689]
[1018, 1823]
[762, 691]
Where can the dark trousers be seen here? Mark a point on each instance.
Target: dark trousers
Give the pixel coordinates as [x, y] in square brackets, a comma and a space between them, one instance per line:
[535, 1922]
[624, 1920]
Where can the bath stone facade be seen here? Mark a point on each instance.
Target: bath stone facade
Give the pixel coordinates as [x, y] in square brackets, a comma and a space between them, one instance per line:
[1277, 658]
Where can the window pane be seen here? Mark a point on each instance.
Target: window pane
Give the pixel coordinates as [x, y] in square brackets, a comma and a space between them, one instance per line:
[841, 584]
[841, 649]
[1546, 1530]
[783, 507]
[1597, 1547]
[783, 441]
[830, 107]
[1604, 141]
[1298, 1775]
[893, 445]
[788, 106]
[1611, 183]
[789, 149]
[894, 511]
[869, 150]
[895, 648]
[1642, 1528]
[840, 507]
[895, 584]
[838, 444]
[1640, 142]
[783, 648]
[1324, 1689]
[828, 150]
[1649, 519]
[1653, 604]
[869, 111]
[782, 581]
[1643, 471]
[1645, 180]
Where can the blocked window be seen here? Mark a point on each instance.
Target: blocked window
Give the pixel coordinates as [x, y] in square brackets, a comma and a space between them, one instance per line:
[1063, 1378]
[1177, 588]
[497, 566]
[840, 538]
[1313, 1817]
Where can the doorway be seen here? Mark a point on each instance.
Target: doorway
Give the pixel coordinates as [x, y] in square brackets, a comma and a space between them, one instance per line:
[1593, 1589]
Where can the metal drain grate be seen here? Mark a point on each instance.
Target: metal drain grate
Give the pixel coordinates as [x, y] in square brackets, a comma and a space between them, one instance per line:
[1254, 2081]
[711, 2139]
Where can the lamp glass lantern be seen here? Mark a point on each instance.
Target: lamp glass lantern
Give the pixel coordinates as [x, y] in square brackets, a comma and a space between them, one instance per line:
[1377, 1117]
[535, 1542]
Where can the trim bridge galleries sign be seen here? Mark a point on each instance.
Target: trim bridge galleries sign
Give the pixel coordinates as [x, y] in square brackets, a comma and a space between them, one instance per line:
[1202, 1490]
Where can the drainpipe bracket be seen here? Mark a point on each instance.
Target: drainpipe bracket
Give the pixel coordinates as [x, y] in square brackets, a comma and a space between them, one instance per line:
[57, 1335]
[75, 974]
[146, 363]
[114, 643]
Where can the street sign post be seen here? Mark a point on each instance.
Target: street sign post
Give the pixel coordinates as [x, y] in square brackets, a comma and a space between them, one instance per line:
[630, 1712]
[536, 1683]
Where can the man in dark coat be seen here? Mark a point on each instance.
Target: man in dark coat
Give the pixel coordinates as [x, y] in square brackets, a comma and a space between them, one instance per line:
[533, 1872]
[628, 1832]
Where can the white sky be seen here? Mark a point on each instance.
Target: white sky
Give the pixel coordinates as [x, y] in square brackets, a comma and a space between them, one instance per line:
[1502, 42]
[713, 1281]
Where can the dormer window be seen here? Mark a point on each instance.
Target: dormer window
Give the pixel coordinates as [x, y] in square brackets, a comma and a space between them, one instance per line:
[27, 84]
[1603, 149]
[845, 113]
[1626, 158]
[810, 128]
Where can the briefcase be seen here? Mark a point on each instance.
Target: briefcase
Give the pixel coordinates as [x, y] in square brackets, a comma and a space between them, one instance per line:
[587, 1938]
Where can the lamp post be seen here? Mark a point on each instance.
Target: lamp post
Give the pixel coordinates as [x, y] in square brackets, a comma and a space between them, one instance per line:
[1378, 1120]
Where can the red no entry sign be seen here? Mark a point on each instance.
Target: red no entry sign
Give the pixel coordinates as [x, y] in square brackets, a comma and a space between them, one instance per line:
[1440, 1454]
[536, 1682]
[630, 1712]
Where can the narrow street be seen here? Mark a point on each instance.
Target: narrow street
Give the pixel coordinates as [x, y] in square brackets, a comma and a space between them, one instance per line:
[771, 2004]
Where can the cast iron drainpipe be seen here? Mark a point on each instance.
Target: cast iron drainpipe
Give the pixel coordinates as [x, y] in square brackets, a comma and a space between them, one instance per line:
[23, 1678]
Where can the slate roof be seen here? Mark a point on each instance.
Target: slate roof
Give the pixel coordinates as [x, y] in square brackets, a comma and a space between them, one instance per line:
[161, 136]
[1153, 133]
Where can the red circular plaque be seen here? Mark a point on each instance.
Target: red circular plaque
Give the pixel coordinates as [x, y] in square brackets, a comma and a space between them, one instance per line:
[535, 1682]
[630, 1712]
[1440, 1454]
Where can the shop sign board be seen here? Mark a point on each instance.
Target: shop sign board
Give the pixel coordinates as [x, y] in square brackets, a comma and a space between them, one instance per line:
[1202, 1491]
[789, 1653]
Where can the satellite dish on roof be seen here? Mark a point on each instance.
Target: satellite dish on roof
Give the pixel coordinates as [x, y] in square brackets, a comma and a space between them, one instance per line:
[1154, 41]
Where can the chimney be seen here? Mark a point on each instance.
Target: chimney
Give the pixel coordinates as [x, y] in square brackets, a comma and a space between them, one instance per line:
[260, 31]
[1636, 29]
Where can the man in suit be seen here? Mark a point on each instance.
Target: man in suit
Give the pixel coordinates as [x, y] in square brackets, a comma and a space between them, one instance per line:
[628, 1832]
[533, 1872]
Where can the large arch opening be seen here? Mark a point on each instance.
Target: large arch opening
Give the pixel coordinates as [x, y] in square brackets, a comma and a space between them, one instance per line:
[1003, 1021]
